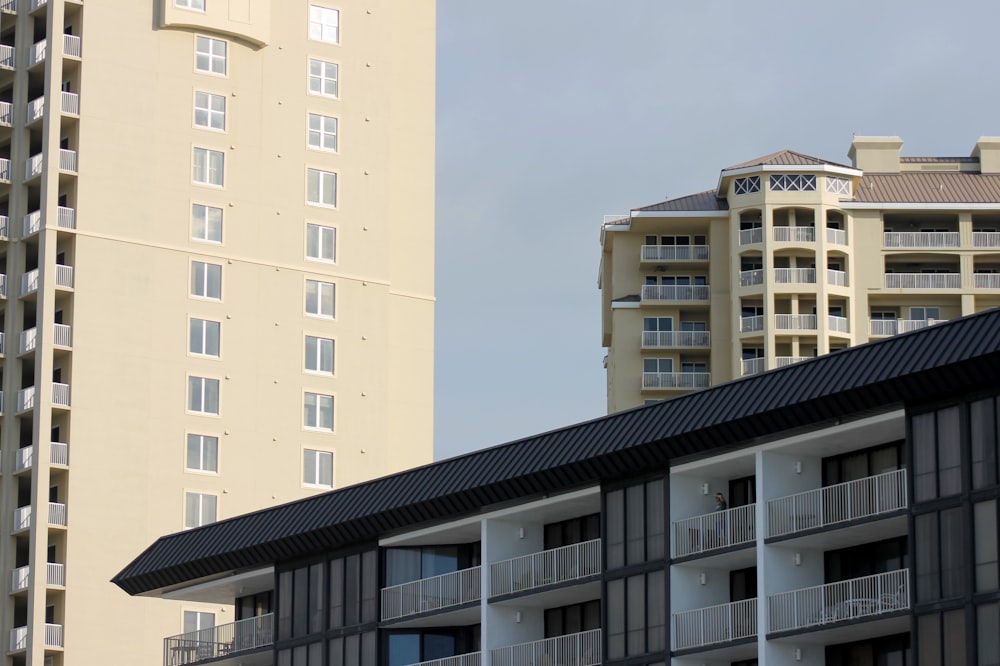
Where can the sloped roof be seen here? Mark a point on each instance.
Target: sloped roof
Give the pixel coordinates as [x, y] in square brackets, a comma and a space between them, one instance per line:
[938, 160]
[707, 200]
[929, 364]
[929, 187]
[785, 158]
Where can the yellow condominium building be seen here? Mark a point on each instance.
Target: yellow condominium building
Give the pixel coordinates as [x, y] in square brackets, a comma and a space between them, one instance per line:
[790, 256]
[217, 290]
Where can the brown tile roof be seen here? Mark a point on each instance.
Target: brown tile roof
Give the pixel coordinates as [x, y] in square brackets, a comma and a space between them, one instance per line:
[929, 187]
[785, 158]
[706, 200]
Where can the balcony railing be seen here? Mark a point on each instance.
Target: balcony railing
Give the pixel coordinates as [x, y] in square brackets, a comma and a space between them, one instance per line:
[220, 641]
[751, 277]
[660, 339]
[786, 322]
[64, 276]
[751, 366]
[986, 280]
[62, 335]
[985, 239]
[4, 170]
[885, 327]
[72, 46]
[53, 635]
[67, 160]
[582, 649]
[3, 286]
[674, 253]
[715, 624]
[26, 398]
[6, 114]
[22, 518]
[20, 579]
[36, 109]
[57, 514]
[711, 531]
[55, 575]
[923, 280]
[60, 394]
[836, 236]
[429, 594]
[675, 292]
[795, 234]
[37, 53]
[676, 380]
[751, 236]
[869, 596]
[6, 56]
[34, 165]
[3, 348]
[23, 458]
[66, 218]
[8, 6]
[29, 340]
[70, 103]
[617, 218]
[851, 500]
[836, 278]
[751, 324]
[468, 659]
[782, 361]
[59, 453]
[18, 639]
[557, 565]
[838, 324]
[795, 275]
[908, 239]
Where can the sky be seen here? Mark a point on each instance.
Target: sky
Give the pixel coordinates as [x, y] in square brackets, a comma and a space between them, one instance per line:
[553, 113]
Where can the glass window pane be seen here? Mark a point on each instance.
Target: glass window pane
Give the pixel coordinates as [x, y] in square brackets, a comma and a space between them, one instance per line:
[616, 618]
[924, 457]
[949, 452]
[982, 433]
[988, 635]
[615, 508]
[926, 557]
[929, 640]
[636, 615]
[986, 546]
[952, 553]
[954, 638]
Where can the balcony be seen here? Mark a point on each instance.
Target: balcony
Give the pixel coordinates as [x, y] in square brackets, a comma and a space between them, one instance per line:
[65, 219]
[751, 236]
[67, 160]
[19, 637]
[675, 292]
[37, 53]
[838, 324]
[836, 236]
[794, 234]
[548, 567]
[26, 397]
[989, 239]
[880, 328]
[920, 239]
[705, 627]
[752, 324]
[782, 361]
[55, 576]
[923, 280]
[795, 322]
[3, 286]
[69, 103]
[24, 458]
[676, 380]
[666, 253]
[64, 276]
[751, 277]
[33, 166]
[36, 109]
[669, 339]
[29, 340]
[60, 395]
[752, 366]
[836, 278]
[795, 275]
[431, 594]
[840, 503]
[4, 170]
[866, 597]
[468, 659]
[986, 280]
[715, 531]
[6, 56]
[194, 647]
[59, 453]
[6, 114]
[72, 46]
[9, 6]
[62, 335]
[582, 649]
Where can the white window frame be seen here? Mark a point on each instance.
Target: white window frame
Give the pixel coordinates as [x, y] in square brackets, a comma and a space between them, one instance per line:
[203, 103]
[193, 5]
[319, 458]
[323, 78]
[326, 242]
[204, 444]
[213, 59]
[202, 160]
[321, 288]
[200, 498]
[206, 216]
[315, 344]
[322, 130]
[325, 181]
[199, 623]
[321, 27]
[201, 406]
[314, 401]
[202, 337]
[203, 267]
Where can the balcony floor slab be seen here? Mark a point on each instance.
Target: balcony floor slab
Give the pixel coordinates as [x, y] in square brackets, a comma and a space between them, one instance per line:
[848, 631]
[741, 650]
[847, 533]
[551, 596]
[454, 616]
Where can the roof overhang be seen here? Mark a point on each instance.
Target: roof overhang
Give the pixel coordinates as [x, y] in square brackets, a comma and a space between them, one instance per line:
[911, 205]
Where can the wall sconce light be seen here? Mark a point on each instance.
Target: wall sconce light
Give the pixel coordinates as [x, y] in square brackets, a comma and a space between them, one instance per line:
[798, 466]
[797, 654]
[702, 578]
[517, 617]
[797, 559]
[704, 489]
[520, 532]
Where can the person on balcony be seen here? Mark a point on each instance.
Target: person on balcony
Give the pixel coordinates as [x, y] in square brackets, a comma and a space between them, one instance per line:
[720, 524]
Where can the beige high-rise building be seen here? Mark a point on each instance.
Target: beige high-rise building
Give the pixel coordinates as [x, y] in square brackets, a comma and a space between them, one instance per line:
[789, 257]
[218, 261]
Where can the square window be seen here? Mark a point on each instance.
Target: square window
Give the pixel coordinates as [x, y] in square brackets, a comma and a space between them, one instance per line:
[321, 187]
[208, 166]
[317, 468]
[324, 78]
[319, 355]
[320, 298]
[204, 337]
[203, 395]
[210, 55]
[318, 411]
[206, 223]
[198, 5]
[321, 242]
[206, 280]
[202, 453]
[324, 24]
[322, 133]
[199, 509]
[209, 111]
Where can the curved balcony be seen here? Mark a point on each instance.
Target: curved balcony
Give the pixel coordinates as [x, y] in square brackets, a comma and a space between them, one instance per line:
[715, 531]
[848, 600]
[582, 649]
[548, 567]
[704, 627]
[432, 594]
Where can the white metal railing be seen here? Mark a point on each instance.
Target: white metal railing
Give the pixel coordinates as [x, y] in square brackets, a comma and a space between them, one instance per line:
[22, 518]
[986, 280]
[546, 567]
[795, 234]
[751, 366]
[847, 600]
[32, 223]
[29, 340]
[985, 239]
[26, 399]
[795, 275]
[59, 453]
[885, 327]
[715, 624]
[751, 236]
[71, 45]
[3, 286]
[57, 514]
[617, 218]
[3, 346]
[6, 113]
[37, 52]
[920, 239]
[34, 165]
[219, 641]
[70, 103]
[672, 380]
[675, 292]
[4, 170]
[751, 277]
[4, 227]
[55, 574]
[64, 276]
[838, 324]
[805, 322]
[6, 56]
[751, 324]
[36, 108]
[467, 659]
[427, 594]
[66, 217]
[836, 278]
[851, 500]
[35, 4]
[676, 339]
[674, 253]
[782, 361]
[60, 394]
[923, 280]
[53, 635]
[836, 236]
[67, 159]
[62, 335]
[711, 531]
[23, 458]
[18, 639]
[8, 6]
[582, 649]
[20, 579]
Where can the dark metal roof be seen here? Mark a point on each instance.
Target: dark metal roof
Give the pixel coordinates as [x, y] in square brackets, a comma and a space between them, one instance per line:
[927, 364]
[707, 200]
[928, 187]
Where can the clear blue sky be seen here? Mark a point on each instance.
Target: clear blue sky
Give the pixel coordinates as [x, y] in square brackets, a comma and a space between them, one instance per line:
[552, 113]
